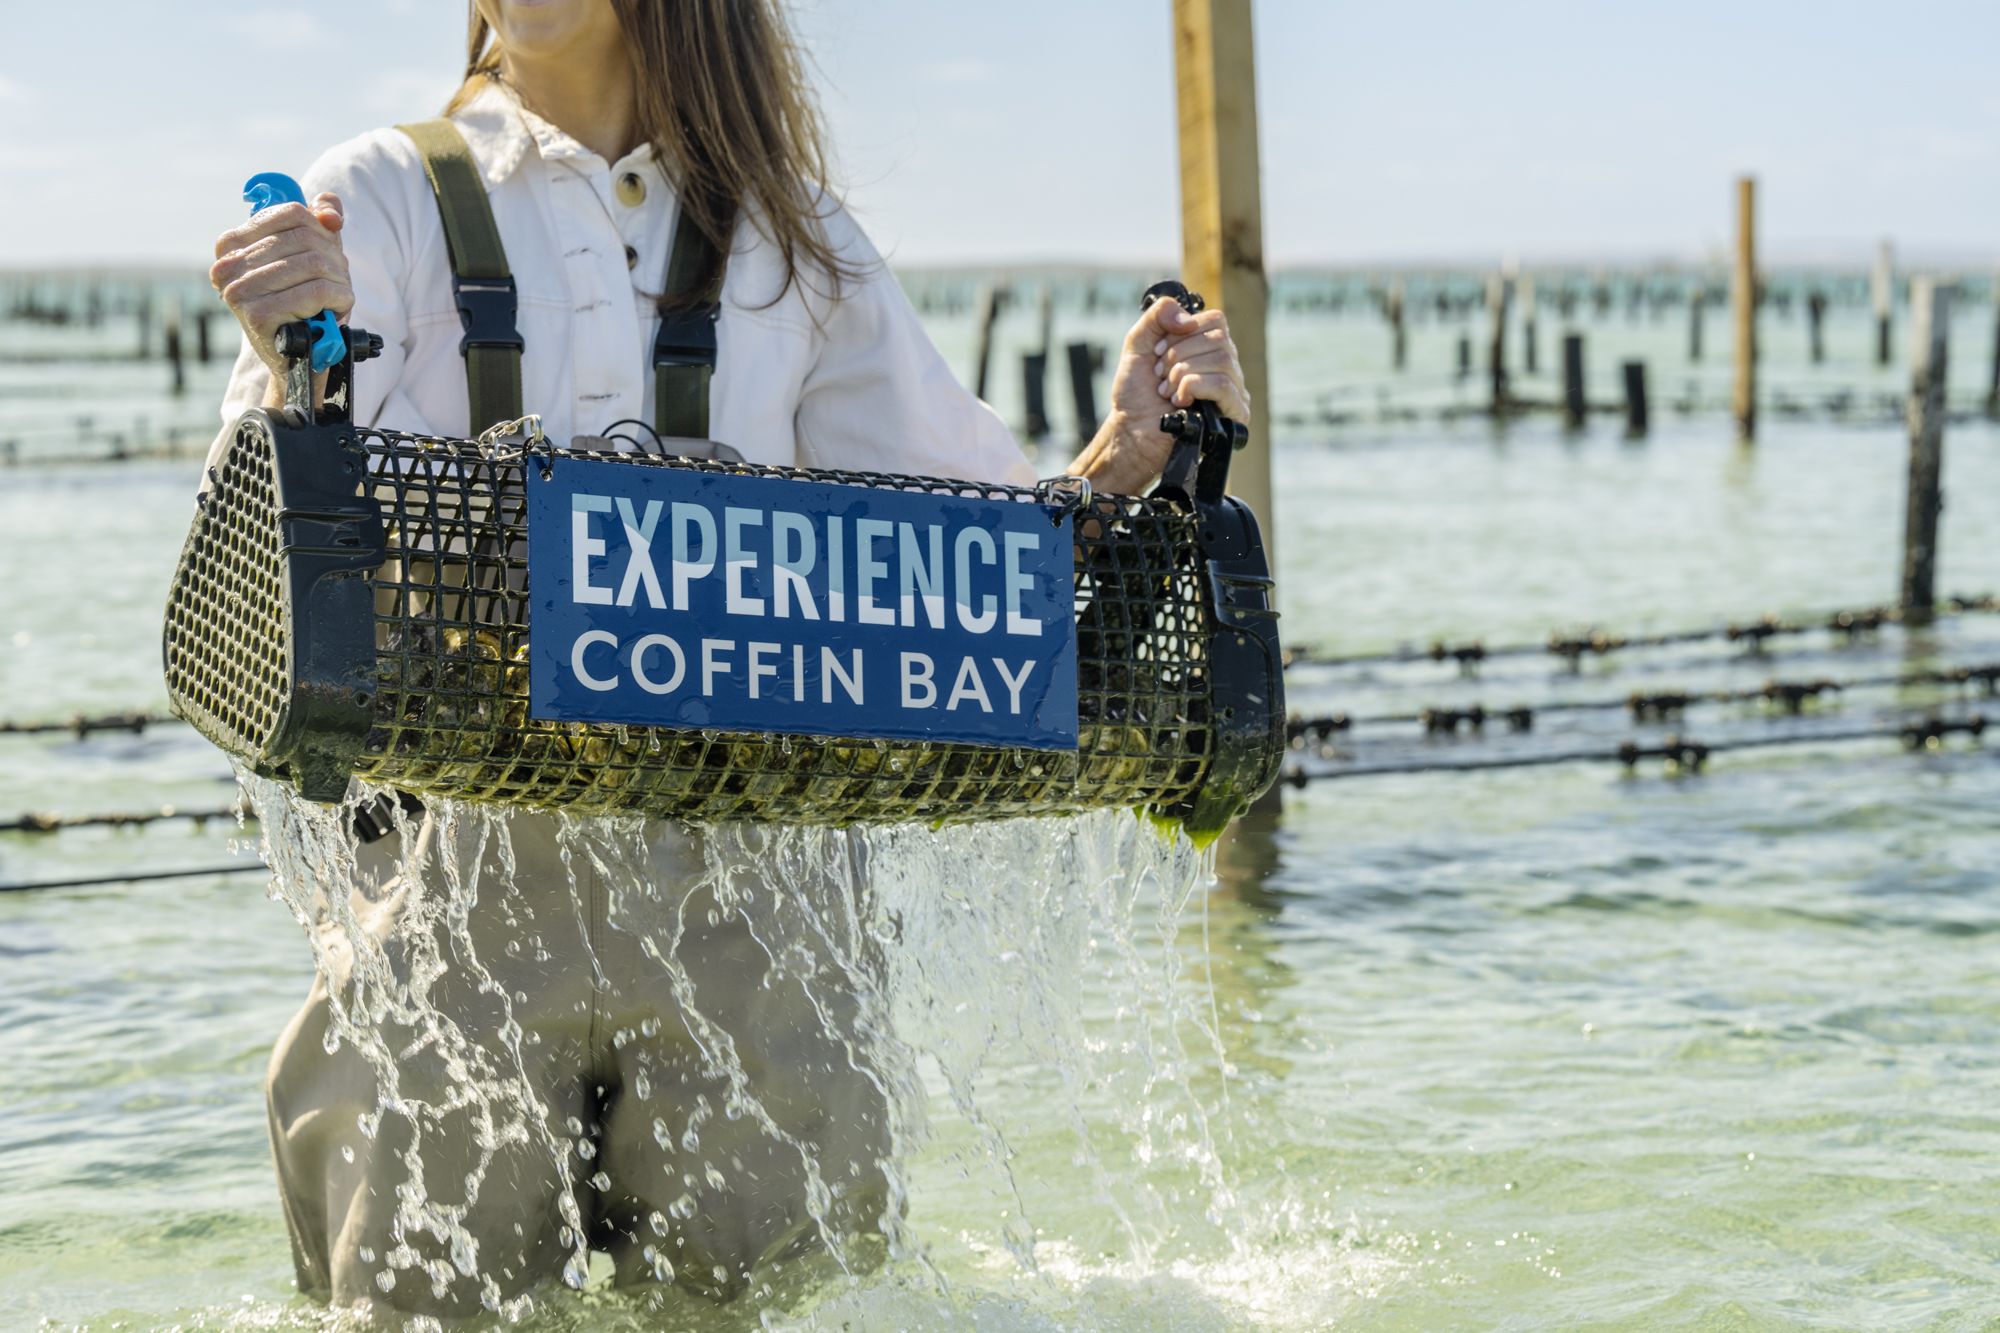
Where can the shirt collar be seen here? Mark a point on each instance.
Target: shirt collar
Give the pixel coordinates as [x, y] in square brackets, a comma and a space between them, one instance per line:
[494, 129]
[499, 130]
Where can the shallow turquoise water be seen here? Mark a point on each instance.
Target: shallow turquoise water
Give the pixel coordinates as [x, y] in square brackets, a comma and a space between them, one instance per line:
[1529, 1049]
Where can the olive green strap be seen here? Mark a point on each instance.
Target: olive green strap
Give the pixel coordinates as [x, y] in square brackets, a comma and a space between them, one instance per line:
[481, 282]
[684, 347]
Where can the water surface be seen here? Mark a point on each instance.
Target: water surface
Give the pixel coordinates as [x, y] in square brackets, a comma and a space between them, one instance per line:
[1542, 1048]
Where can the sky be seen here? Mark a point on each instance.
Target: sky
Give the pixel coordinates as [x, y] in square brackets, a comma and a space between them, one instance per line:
[1040, 131]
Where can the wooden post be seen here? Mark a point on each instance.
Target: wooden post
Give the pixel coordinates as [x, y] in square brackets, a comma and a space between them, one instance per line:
[1222, 211]
[1035, 371]
[1526, 287]
[1085, 360]
[985, 313]
[1697, 299]
[1930, 308]
[1816, 323]
[1496, 341]
[1882, 295]
[173, 332]
[1575, 408]
[1993, 393]
[201, 336]
[1743, 296]
[1034, 394]
[1393, 308]
[1636, 423]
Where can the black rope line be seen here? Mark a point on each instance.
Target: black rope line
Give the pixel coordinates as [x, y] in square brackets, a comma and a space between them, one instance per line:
[1574, 646]
[80, 725]
[1791, 696]
[49, 823]
[134, 877]
[1855, 407]
[1680, 753]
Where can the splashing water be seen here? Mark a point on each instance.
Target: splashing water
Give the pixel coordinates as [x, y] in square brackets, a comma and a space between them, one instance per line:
[986, 987]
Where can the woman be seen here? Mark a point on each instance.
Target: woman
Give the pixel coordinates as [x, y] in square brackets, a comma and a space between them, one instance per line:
[600, 131]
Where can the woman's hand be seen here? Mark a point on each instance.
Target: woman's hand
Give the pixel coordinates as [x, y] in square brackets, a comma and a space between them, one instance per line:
[284, 264]
[1170, 360]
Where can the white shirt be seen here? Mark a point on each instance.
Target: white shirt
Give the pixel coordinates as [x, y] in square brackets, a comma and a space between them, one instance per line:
[802, 381]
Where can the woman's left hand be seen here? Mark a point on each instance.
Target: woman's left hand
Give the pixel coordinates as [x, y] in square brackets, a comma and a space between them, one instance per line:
[1170, 360]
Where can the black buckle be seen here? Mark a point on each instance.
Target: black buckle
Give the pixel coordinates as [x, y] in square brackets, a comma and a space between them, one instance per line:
[1234, 594]
[686, 337]
[486, 309]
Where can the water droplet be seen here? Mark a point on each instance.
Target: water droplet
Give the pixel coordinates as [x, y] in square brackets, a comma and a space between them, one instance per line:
[576, 1272]
[659, 1224]
[691, 1141]
[643, 1086]
[386, 1279]
[651, 1027]
[575, 1125]
[713, 1176]
[663, 1269]
[347, 1151]
[682, 1207]
[586, 1149]
[600, 1181]
[367, 1255]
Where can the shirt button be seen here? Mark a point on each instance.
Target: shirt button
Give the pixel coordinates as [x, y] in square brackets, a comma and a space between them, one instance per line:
[631, 190]
[631, 257]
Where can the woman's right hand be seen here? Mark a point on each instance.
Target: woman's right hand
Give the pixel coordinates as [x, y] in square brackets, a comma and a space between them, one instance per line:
[284, 264]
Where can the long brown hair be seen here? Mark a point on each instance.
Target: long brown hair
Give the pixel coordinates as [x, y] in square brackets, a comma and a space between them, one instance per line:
[724, 102]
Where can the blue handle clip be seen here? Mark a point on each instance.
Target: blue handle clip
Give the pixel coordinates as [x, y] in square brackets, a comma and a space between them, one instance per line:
[262, 191]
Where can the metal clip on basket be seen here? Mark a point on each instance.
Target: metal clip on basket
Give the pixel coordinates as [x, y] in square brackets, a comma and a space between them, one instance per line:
[353, 602]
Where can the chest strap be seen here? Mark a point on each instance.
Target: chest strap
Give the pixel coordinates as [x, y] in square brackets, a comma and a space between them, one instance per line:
[684, 348]
[483, 286]
[481, 282]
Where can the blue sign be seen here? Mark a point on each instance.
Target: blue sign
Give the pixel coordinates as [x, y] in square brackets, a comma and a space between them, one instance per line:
[668, 597]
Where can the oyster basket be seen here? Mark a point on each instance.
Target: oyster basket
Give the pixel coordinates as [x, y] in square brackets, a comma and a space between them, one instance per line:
[352, 603]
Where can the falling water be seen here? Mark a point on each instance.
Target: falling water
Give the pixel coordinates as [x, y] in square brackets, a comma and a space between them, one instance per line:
[996, 988]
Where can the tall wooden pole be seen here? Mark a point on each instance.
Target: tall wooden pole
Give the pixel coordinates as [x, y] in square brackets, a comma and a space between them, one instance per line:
[1496, 342]
[1222, 239]
[1993, 393]
[1222, 210]
[1743, 295]
[1930, 311]
[1882, 296]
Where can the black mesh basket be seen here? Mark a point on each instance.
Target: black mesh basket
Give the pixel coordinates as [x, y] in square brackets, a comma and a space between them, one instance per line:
[353, 603]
